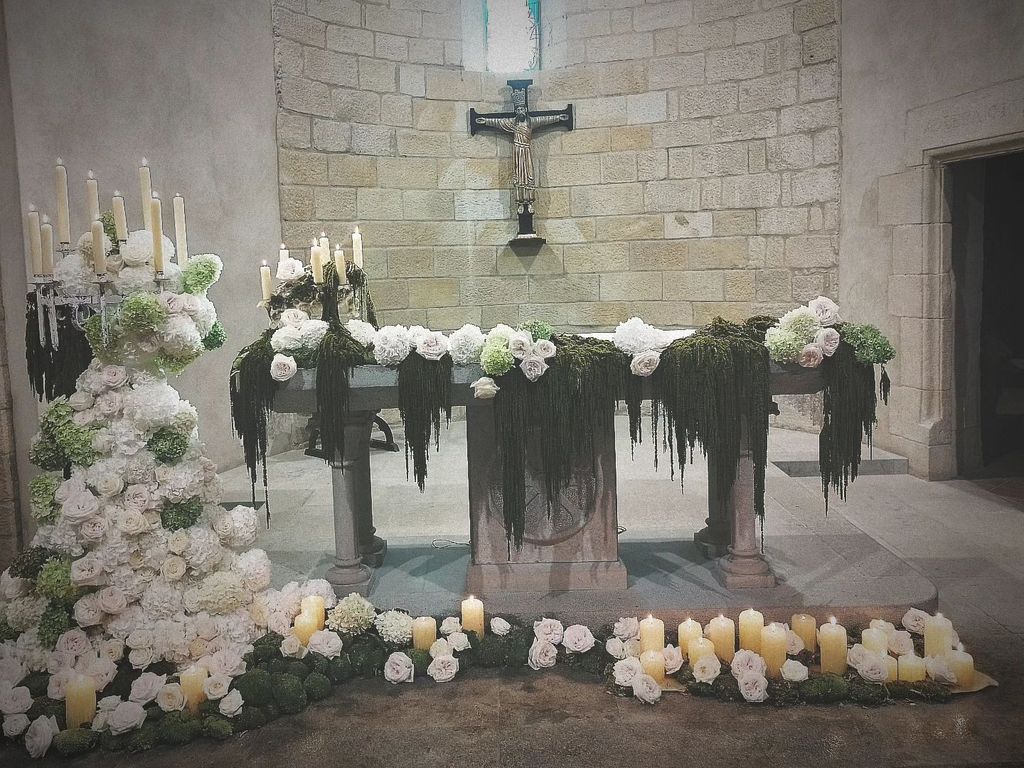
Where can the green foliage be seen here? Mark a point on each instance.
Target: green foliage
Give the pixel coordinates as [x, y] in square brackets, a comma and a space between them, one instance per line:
[289, 694]
[867, 694]
[109, 227]
[538, 329]
[104, 346]
[424, 393]
[144, 739]
[54, 623]
[46, 454]
[181, 514]
[54, 580]
[317, 686]
[29, 562]
[338, 354]
[255, 686]
[252, 391]
[217, 727]
[178, 728]
[491, 652]
[202, 271]
[41, 497]
[420, 661]
[340, 669]
[47, 707]
[783, 693]
[250, 718]
[75, 741]
[173, 365]
[36, 683]
[111, 743]
[367, 655]
[870, 346]
[725, 688]
[496, 359]
[826, 689]
[74, 441]
[168, 444]
[141, 313]
[216, 337]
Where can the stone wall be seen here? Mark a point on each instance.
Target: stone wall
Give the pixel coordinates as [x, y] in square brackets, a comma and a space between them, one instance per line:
[702, 178]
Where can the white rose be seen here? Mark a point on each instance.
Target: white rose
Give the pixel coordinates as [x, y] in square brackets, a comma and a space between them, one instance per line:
[93, 529]
[112, 650]
[57, 685]
[171, 698]
[914, 619]
[451, 624]
[39, 735]
[811, 356]
[794, 643]
[542, 654]
[283, 367]
[81, 401]
[615, 648]
[102, 670]
[443, 668]
[626, 628]
[293, 648]
[578, 639]
[521, 344]
[626, 671]
[13, 587]
[826, 310]
[707, 668]
[136, 497]
[548, 629]
[294, 318]
[108, 704]
[12, 670]
[856, 654]
[146, 687]
[132, 523]
[544, 348]
[231, 704]
[326, 643]
[14, 700]
[754, 687]
[74, 642]
[432, 346]
[15, 725]
[484, 388]
[399, 668]
[290, 269]
[114, 376]
[226, 661]
[113, 600]
[828, 340]
[646, 688]
[80, 506]
[173, 568]
[178, 541]
[645, 363]
[459, 641]
[533, 367]
[216, 686]
[794, 671]
[140, 658]
[938, 669]
[873, 667]
[673, 659]
[747, 661]
[128, 716]
[900, 643]
[633, 647]
[440, 647]
[87, 572]
[500, 627]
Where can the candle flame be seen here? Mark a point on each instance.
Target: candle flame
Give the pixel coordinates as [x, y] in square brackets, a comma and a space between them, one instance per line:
[117, 193]
[312, 241]
[264, 262]
[46, 219]
[960, 647]
[92, 175]
[721, 615]
[156, 195]
[145, 162]
[322, 233]
[357, 230]
[831, 619]
[938, 615]
[60, 160]
[282, 246]
[31, 207]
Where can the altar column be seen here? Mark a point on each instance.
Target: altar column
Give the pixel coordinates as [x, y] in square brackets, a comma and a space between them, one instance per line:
[350, 478]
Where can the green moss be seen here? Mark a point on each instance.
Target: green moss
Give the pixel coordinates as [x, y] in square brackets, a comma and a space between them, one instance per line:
[317, 662]
[217, 727]
[491, 652]
[216, 337]
[783, 693]
[76, 741]
[367, 655]
[168, 445]
[867, 694]
[317, 686]
[178, 728]
[296, 667]
[47, 707]
[144, 739]
[270, 711]
[181, 514]
[255, 686]
[111, 743]
[289, 694]
[141, 313]
[340, 669]
[826, 689]
[725, 688]
[249, 719]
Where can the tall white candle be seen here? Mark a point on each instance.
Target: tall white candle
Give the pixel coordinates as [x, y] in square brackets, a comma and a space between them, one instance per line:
[146, 191]
[180, 236]
[938, 635]
[265, 281]
[120, 216]
[316, 261]
[156, 226]
[751, 624]
[832, 639]
[35, 244]
[339, 265]
[99, 253]
[60, 176]
[652, 635]
[721, 631]
[688, 630]
[473, 615]
[357, 248]
[92, 196]
[283, 254]
[46, 239]
[325, 242]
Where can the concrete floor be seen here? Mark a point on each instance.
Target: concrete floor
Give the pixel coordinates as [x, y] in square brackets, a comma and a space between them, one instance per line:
[964, 539]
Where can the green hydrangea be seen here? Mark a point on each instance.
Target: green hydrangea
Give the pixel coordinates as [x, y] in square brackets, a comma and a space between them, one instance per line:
[76, 443]
[181, 514]
[802, 322]
[46, 454]
[54, 623]
[496, 359]
[173, 365]
[42, 489]
[54, 580]
[869, 344]
[538, 329]
[109, 227]
[201, 272]
[783, 346]
[141, 313]
[216, 337]
[104, 346]
[168, 445]
[59, 414]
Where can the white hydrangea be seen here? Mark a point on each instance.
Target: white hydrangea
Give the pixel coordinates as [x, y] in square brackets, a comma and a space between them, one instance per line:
[394, 627]
[253, 567]
[635, 336]
[161, 600]
[24, 613]
[135, 280]
[74, 276]
[321, 588]
[392, 345]
[204, 550]
[287, 338]
[222, 592]
[361, 331]
[312, 333]
[465, 345]
[353, 614]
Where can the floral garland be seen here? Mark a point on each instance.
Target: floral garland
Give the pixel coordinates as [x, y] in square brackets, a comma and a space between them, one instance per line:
[278, 674]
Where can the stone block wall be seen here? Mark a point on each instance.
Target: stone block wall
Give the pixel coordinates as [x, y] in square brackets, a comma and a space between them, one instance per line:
[702, 178]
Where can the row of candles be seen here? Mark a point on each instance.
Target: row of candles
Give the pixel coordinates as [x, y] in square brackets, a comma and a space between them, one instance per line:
[40, 230]
[319, 253]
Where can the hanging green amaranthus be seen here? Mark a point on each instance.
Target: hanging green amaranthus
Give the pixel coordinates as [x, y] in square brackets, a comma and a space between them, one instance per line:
[424, 393]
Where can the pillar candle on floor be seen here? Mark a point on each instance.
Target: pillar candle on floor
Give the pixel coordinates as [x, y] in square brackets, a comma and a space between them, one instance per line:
[774, 640]
[832, 639]
[315, 607]
[938, 635]
[689, 630]
[653, 663]
[721, 631]
[962, 664]
[911, 668]
[473, 616]
[191, 682]
[875, 640]
[80, 701]
[305, 626]
[652, 635]
[806, 627]
[424, 632]
[751, 624]
[698, 647]
[891, 669]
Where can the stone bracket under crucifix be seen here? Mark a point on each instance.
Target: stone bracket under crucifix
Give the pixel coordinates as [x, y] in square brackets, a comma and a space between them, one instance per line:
[522, 123]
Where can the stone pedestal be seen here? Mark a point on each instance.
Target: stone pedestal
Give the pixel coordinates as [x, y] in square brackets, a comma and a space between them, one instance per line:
[714, 538]
[575, 547]
[353, 510]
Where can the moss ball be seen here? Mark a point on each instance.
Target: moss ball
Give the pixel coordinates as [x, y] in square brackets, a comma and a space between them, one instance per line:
[317, 686]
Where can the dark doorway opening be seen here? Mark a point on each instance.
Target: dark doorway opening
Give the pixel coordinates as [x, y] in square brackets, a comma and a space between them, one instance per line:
[988, 272]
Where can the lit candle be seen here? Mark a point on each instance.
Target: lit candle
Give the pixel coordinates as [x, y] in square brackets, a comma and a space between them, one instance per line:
[92, 196]
[265, 281]
[46, 240]
[146, 190]
[283, 254]
[180, 236]
[339, 265]
[99, 253]
[962, 664]
[806, 627]
[191, 682]
[357, 248]
[305, 626]
[652, 635]
[120, 217]
[751, 624]
[721, 631]
[832, 639]
[314, 606]
[316, 261]
[911, 668]
[156, 226]
[688, 630]
[60, 176]
[875, 640]
[699, 646]
[473, 616]
[773, 648]
[653, 663]
[80, 701]
[938, 635]
[325, 242]
[891, 668]
[35, 243]
[424, 632]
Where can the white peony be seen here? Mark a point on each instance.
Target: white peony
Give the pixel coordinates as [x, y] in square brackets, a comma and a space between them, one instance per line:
[440, 647]
[673, 659]
[826, 310]
[12, 587]
[283, 367]
[793, 671]
[542, 654]
[544, 348]
[459, 641]
[520, 344]
[615, 648]
[548, 629]
[293, 318]
[873, 667]
[577, 639]
[827, 339]
[399, 668]
[146, 687]
[900, 643]
[170, 698]
[499, 626]
[231, 704]
[111, 600]
[707, 668]
[645, 363]
[443, 668]
[914, 621]
[39, 735]
[855, 654]
[216, 686]
[464, 345]
[290, 269]
[747, 661]
[484, 388]
[293, 648]
[80, 507]
[646, 689]
[128, 716]
[87, 572]
[626, 671]
[15, 725]
[326, 643]
[811, 356]
[432, 346]
[533, 367]
[392, 345]
[361, 331]
[451, 624]
[14, 700]
[627, 628]
[753, 687]
[74, 642]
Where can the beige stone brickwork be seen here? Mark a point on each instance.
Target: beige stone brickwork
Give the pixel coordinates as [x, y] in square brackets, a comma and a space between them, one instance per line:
[702, 178]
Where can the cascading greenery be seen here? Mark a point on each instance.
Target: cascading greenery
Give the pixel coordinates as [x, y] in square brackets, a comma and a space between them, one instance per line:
[252, 392]
[424, 393]
[53, 372]
[303, 292]
[337, 355]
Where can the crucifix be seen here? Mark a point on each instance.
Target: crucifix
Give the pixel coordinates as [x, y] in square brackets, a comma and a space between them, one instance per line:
[522, 123]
